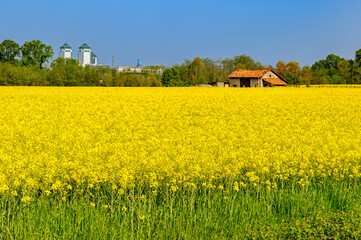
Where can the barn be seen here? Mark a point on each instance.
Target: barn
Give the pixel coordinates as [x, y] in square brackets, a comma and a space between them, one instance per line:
[255, 78]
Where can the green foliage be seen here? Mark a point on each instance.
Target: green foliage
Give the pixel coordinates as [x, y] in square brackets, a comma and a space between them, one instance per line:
[197, 62]
[35, 54]
[246, 62]
[358, 57]
[9, 51]
[319, 76]
[293, 73]
[11, 75]
[355, 73]
[344, 70]
[332, 70]
[171, 77]
[328, 211]
[66, 72]
[306, 75]
[331, 61]
[207, 70]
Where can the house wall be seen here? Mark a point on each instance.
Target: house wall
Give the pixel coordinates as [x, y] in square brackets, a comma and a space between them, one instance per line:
[235, 82]
[270, 74]
[255, 82]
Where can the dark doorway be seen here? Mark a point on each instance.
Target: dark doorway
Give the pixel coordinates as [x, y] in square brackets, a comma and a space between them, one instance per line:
[245, 82]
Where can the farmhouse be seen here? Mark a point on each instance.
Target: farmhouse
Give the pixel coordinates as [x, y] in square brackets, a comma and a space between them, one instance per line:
[255, 78]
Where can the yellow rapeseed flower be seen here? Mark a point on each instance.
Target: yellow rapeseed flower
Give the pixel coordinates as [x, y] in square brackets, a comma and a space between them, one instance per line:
[90, 139]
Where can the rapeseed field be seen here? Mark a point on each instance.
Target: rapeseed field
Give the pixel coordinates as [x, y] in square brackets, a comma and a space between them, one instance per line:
[136, 151]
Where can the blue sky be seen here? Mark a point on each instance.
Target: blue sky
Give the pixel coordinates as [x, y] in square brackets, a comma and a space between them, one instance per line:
[167, 31]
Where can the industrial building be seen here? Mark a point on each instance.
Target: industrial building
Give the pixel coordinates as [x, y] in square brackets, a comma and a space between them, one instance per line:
[85, 54]
[65, 51]
[87, 57]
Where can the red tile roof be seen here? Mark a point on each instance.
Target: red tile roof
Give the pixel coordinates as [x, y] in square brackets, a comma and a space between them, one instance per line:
[248, 73]
[275, 81]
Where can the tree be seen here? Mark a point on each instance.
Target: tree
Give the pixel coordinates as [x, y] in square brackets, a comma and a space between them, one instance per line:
[281, 68]
[240, 66]
[319, 76]
[197, 69]
[9, 51]
[35, 53]
[344, 70]
[330, 62]
[197, 62]
[306, 75]
[269, 66]
[65, 72]
[358, 57]
[355, 73]
[293, 73]
[171, 77]
[246, 62]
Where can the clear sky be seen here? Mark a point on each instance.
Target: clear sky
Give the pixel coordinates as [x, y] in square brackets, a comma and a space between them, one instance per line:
[167, 31]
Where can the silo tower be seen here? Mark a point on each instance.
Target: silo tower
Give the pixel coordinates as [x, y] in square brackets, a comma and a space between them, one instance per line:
[85, 55]
[65, 51]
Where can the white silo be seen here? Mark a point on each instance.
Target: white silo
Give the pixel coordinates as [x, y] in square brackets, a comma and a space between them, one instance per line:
[65, 51]
[86, 56]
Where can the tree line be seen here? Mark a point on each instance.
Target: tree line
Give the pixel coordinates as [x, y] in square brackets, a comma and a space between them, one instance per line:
[331, 70]
[24, 65]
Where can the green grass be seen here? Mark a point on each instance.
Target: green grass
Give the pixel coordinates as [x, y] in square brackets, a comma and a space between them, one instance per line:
[332, 210]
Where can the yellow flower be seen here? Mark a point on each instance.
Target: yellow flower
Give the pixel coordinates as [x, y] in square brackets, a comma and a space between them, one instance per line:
[175, 138]
[26, 199]
[235, 186]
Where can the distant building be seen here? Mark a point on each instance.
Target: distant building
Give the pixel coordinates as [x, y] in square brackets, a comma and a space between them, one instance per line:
[220, 84]
[137, 69]
[255, 78]
[86, 56]
[65, 51]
